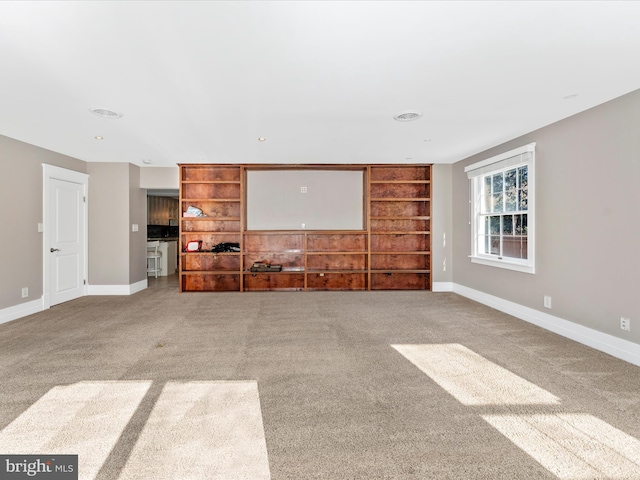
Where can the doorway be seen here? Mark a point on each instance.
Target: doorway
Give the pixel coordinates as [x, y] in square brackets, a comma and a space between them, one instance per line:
[65, 235]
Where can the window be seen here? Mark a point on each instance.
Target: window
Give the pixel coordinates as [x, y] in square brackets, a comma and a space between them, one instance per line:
[502, 210]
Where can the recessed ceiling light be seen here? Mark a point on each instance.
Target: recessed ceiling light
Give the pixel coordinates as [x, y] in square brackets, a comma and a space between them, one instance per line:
[98, 137]
[104, 113]
[569, 97]
[147, 161]
[407, 116]
[261, 139]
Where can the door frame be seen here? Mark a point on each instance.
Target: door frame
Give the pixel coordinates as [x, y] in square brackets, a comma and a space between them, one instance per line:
[52, 172]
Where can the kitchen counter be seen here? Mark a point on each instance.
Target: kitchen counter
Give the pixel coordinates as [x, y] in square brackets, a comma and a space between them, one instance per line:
[163, 239]
[169, 256]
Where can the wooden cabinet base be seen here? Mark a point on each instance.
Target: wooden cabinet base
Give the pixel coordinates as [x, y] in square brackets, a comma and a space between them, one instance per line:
[399, 281]
[211, 282]
[336, 281]
[282, 281]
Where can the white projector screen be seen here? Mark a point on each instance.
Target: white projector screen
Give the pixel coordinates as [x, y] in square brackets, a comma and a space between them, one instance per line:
[305, 199]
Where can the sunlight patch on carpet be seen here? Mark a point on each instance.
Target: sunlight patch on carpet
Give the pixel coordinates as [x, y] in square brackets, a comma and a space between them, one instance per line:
[85, 418]
[472, 379]
[202, 430]
[572, 446]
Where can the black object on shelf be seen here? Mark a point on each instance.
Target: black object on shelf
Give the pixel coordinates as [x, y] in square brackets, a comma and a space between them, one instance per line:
[226, 247]
[265, 267]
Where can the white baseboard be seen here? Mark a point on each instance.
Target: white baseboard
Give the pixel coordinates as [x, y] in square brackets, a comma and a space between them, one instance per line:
[21, 310]
[442, 287]
[138, 286]
[614, 346]
[28, 308]
[117, 289]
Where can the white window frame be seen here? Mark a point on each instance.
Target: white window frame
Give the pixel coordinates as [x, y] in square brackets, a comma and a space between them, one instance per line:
[514, 158]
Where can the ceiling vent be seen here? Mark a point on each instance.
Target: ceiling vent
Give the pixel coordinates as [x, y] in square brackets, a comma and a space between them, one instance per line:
[104, 113]
[407, 116]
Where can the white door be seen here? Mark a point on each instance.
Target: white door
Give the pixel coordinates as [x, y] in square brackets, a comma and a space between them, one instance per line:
[65, 235]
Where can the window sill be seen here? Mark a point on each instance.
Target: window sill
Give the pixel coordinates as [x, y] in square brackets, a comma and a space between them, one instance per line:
[518, 267]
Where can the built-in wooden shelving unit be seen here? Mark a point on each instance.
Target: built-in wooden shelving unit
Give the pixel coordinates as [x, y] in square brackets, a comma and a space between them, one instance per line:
[400, 227]
[393, 251]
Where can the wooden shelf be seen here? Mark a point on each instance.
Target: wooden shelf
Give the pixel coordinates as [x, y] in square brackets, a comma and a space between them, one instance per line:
[211, 219]
[187, 182]
[400, 181]
[314, 270]
[210, 200]
[400, 227]
[401, 232]
[401, 217]
[399, 199]
[390, 271]
[395, 252]
[282, 272]
[337, 253]
[392, 252]
[212, 254]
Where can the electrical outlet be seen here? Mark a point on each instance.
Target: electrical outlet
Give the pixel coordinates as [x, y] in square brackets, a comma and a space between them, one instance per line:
[444, 265]
[547, 301]
[25, 292]
[303, 189]
[625, 323]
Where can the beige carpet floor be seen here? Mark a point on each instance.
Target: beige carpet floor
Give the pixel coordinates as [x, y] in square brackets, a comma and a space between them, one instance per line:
[312, 385]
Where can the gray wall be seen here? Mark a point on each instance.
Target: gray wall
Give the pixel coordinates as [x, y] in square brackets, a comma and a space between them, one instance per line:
[441, 224]
[116, 201]
[587, 221]
[108, 224]
[137, 215]
[116, 255]
[21, 185]
[160, 177]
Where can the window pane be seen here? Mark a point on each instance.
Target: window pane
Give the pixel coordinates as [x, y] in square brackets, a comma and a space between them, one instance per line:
[523, 247]
[494, 227]
[497, 203]
[524, 187]
[521, 224]
[495, 245]
[485, 195]
[487, 185]
[510, 191]
[507, 225]
[515, 247]
[497, 183]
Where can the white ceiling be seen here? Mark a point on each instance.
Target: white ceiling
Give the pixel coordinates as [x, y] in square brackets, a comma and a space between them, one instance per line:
[199, 82]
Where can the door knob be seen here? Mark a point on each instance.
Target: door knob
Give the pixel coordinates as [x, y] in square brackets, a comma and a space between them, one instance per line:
[54, 250]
